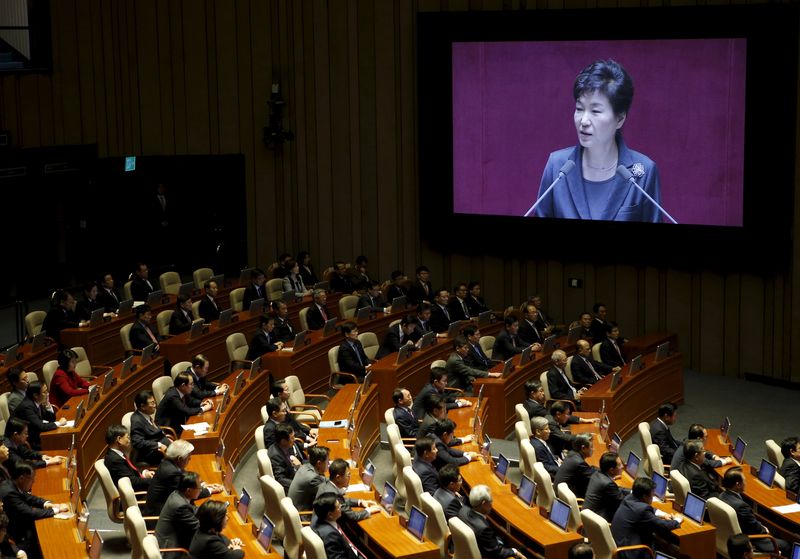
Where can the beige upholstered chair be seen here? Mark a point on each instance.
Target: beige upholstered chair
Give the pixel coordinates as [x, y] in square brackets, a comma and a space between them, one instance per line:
[237, 347]
[413, 488]
[487, 343]
[125, 338]
[264, 463]
[298, 401]
[403, 458]
[527, 457]
[33, 322]
[774, 454]
[196, 308]
[370, 343]
[179, 367]
[84, 367]
[465, 546]
[4, 412]
[596, 352]
[274, 289]
[598, 532]
[544, 486]
[170, 282]
[292, 527]
[312, 544]
[259, 437]
[48, 370]
[126, 290]
[521, 431]
[127, 495]
[162, 321]
[150, 548]
[388, 417]
[303, 317]
[394, 323]
[160, 387]
[522, 415]
[200, 276]
[333, 364]
[110, 492]
[566, 495]
[436, 528]
[347, 306]
[237, 299]
[654, 460]
[645, 440]
[724, 519]
[545, 386]
[568, 369]
[680, 486]
[273, 494]
[136, 531]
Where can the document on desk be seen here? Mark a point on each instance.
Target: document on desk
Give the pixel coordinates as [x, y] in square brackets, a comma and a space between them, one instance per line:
[787, 509]
[69, 424]
[198, 428]
[336, 424]
[357, 487]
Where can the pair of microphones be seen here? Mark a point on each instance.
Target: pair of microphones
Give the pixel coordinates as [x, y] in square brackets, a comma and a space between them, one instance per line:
[622, 171]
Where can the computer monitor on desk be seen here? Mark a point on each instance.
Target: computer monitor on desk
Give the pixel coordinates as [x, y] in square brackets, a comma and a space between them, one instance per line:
[388, 496]
[154, 297]
[225, 317]
[694, 508]
[330, 327]
[398, 304]
[416, 523]
[186, 289]
[265, 532]
[300, 340]
[427, 340]
[243, 505]
[484, 319]
[796, 551]
[725, 428]
[559, 514]
[96, 317]
[526, 356]
[501, 468]
[632, 465]
[454, 330]
[256, 306]
[574, 334]
[661, 486]
[636, 364]
[766, 472]
[364, 313]
[10, 355]
[738, 450]
[527, 490]
[244, 276]
[662, 351]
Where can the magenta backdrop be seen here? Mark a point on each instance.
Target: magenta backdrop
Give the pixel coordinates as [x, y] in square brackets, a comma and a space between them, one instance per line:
[513, 105]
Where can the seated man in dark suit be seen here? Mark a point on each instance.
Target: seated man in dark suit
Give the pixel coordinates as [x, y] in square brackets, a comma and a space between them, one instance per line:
[276, 416]
[603, 495]
[16, 441]
[89, 304]
[178, 405]
[586, 370]
[24, 509]
[475, 302]
[117, 461]
[352, 358]
[403, 416]
[281, 394]
[141, 334]
[560, 441]
[182, 318]
[585, 322]
[611, 347]
[448, 494]
[598, 326]
[177, 523]
[440, 313]
[698, 433]
[209, 309]
[340, 280]
[308, 478]
[459, 374]
[255, 290]
[635, 520]
[445, 454]
[508, 344]
[574, 470]
[398, 287]
[264, 341]
[557, 380]
[283, 456]
[545, 323]
[141, 286]
[436, 385]
[209, 541]
[458, 304]
[327, 511]
[203, 388]
[424, 454]
[733, 483]
[168, 475]
[423, 319]
[544, 454]
[703, 483]
[534, 405]
[399, 335]
[528, 329]
[660, 433]
[373, 299]
[61, 316]
[476, 358]
[148, 441]
[107, 295]
[475, 516]
[337, 483]
[422, 289]
[790, 468]
[283, 331]
[317, 314]
[35, 409]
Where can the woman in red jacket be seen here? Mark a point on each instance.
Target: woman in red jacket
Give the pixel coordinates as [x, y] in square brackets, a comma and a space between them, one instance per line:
[66, 383]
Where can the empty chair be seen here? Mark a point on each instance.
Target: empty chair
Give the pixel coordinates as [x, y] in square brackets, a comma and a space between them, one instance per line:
[292, 528]
[33, 322]
[312, 544]
[370, 343]
[598, 532]
[297, 400]
[274, 289]
[566, 495]
[264, 463]
[465, 546]
[170, 282]
[680, 486]
[180, 367]
[200, 276]
[487, 343]
[110, 492]
[273, 494]
[160, 387]
[128, 496]
[544, 487]
[150, 548]
[347, 306]
[237, 299]
[48, 370]
[645, 440]
[527, 457]
[237, 347]
[162, 321]
[436, 528]
[84, 367]
[413, 488]
[723, 518]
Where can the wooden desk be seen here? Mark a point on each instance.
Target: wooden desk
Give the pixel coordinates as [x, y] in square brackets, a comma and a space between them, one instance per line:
[638, 396]
[102, 342]
[90, 444]
[648, 343]
[384, 537]
[59, 539]
[367, 418]
[30, 361]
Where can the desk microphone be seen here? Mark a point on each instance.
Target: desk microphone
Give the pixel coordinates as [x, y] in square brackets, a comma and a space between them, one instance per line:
[563, 172]
[625, 173]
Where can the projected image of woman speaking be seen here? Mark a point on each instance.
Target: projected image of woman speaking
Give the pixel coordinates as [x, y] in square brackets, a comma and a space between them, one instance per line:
[598, 183]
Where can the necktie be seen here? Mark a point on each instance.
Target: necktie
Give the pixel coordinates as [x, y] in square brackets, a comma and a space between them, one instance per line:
[572, 388]
[513, 340]
[323, 313]
[114, 295]
[213, 302]
[618, 351]
[596, 376]
[481, 356]
[371, 301]
[150, 333]
[269, 339]
[464, 308]
[134, 468]
[358, 353]
[447, 314]
[352, 547]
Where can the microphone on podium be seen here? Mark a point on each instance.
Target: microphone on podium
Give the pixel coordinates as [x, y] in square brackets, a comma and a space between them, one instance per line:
[625, 173]
[563, 172]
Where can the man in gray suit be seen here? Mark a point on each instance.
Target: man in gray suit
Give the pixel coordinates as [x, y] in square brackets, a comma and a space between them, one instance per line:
[177, 522]
[308, 478]
[459, 374]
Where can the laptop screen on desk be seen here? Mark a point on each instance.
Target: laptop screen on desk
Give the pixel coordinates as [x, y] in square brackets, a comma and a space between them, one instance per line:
[632, 465]
[527, 490]
[695, 507]
[725, 427]
[766, 472]
[738, 449]
[416, 523]
[243, 505]
[661, 486]
[265, 532]
[559, 514]
[660, 555]
[502, 467]
[389, 493]
[796, 551]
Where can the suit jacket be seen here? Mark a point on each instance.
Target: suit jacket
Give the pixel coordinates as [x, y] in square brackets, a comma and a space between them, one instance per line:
[173, 409]
[139, 337]
[582, 374]
[560, 388]
[700, 482]
[14, 399]
[440, 318]
[303, 489]
[269, 432]
[790, 471]
[603, 495]
[179, 322]
[291, 283]
[421, 329]
[260, 344]
[213, 546]
[36, 416]
[476, 306]
[545, 455]
[490, 546]
[163, 483]
[609, 355]
[451, 502]
[283, 331]
[662, 436]
[678, 459]
[418, 408]
[56, 320]
[406, 422]
[346, 504]
[597, 330]
[145, 437]
[458, 310]
[341, 284]
[336, 547]
[427, 474]
[376, 305]
[575, 472]
[391, 342]
[18, 453]
[625, 203]
[108, 298]
[251, 293]
[314, 317]
[119, 468]
[506, 346]
[396, 291]
[529, 333]
[559, 440]
[85, 308]
[177, 523]
[447, 454]
[282, 468]
[477, 359]
[203, 388]
[419, 294]
[140, 288]
[747, 520]
[23, 509]
[635, 522]
[208, 309]
[352, 358]
[459, 374]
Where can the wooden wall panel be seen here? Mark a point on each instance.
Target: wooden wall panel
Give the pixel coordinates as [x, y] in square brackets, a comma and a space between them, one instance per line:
[185, 77]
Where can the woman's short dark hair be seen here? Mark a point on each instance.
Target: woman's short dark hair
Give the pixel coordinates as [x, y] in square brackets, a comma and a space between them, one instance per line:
[211, 515]
[65, 357]
[609, 78]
